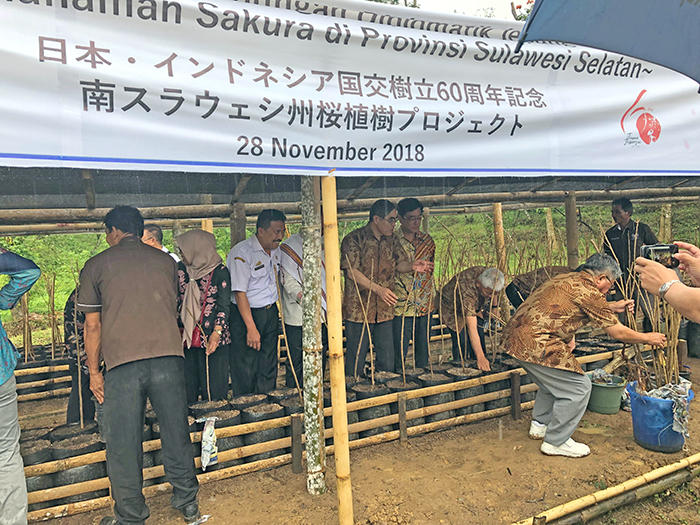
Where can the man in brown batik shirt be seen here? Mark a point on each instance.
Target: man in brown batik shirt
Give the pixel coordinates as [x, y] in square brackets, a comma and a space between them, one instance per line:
[465, 303]
[541, 336]
[371, 256]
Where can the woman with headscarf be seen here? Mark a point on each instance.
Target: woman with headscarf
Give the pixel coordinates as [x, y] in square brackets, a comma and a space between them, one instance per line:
[205, 296]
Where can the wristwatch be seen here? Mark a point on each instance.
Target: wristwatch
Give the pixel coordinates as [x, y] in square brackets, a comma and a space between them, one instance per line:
[665, 287]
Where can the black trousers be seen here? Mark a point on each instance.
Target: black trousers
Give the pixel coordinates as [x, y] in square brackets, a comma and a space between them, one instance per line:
[514, 295]
[254, 371]
[420, 343]
[196, 374]
[466, 344]
[357, 345]
[295, 354]
[162, 380]
[73, 412]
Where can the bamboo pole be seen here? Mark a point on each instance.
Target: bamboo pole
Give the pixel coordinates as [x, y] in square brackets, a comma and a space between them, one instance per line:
[665, 232]
[551, 237]
[653, 488]
[501, 255]
[44, 395]
[335, 345]
[40, 370]
[58, 215]
[602, 495]
[26, 329]
[312, 342]
[44, 382]
[571, 230]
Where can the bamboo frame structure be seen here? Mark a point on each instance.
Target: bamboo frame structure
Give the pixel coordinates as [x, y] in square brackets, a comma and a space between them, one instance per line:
[335, 350]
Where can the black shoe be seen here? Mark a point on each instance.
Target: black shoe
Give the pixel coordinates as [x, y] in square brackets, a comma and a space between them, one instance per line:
[189, 512]
[108, 520]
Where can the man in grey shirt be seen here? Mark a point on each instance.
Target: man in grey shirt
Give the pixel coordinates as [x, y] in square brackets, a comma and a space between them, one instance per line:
[129, 296]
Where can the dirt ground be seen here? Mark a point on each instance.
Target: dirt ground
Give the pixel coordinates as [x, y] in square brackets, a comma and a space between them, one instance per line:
[483, 473]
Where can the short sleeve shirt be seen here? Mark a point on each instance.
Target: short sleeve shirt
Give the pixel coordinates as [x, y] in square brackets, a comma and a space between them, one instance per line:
[253, 272]
[377, 260]
[543, 325]
[134, 286]
[461, 292]
[414, 292]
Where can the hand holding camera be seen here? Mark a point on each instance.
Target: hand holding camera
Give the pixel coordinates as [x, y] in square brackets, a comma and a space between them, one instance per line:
[689, 258]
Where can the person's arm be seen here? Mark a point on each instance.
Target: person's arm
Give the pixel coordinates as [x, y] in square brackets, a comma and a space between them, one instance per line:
[23, 274]
[627, 335]
[475, 340]
[93, 333]
[622, 306]
[290, 286]
[222, 307]
[385, 294]
[252, 335]
[419, 266]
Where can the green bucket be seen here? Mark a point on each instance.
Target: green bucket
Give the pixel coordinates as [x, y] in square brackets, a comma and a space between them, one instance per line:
[605, 399]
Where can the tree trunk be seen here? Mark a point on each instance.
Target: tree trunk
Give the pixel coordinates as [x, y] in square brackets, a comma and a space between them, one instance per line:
[311, 335]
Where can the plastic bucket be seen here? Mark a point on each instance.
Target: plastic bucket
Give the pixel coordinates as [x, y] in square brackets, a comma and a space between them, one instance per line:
[605, 399]
[652, 422]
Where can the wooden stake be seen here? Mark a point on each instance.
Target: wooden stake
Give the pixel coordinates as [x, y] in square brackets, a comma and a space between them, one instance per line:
[335, 345]
[403, 432]
[296, 444]
[571, 230]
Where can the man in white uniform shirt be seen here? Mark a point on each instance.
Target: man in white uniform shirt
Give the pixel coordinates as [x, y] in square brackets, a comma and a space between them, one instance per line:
[254, 318]
[291, 280]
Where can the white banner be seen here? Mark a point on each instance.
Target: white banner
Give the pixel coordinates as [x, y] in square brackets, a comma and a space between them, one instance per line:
[304, 88]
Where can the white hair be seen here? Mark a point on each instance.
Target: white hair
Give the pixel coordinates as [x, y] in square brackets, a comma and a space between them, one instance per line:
[493, 279]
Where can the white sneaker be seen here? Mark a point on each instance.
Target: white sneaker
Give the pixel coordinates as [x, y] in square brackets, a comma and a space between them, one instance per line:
[569, 448]
[537, 430]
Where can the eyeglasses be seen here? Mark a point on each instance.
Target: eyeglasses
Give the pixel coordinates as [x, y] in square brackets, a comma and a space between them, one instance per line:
[412, 219]
[391, 220]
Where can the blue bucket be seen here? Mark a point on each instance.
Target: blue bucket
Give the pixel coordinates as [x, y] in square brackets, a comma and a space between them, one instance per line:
[652, 422]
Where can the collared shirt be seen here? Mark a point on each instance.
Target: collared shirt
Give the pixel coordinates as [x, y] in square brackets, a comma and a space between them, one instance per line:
[174, 256]
[460, 298]
[292, 278]
[530, 281]
[135, 289]
[414, 296]
[253, 272]
[377, 260]
[625, 243]
[543, 325]
[23, 274]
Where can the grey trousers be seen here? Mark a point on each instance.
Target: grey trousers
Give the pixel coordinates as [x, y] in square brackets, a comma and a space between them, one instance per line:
[13, 487]
[561, 400]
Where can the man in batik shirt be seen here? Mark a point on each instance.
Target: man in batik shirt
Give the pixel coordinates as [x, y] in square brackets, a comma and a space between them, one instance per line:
[74, 341]
[541, 337]
[371, 257]
[466, 302]
[414, 292]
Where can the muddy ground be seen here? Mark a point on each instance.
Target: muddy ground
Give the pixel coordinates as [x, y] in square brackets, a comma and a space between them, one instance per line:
[483, 473]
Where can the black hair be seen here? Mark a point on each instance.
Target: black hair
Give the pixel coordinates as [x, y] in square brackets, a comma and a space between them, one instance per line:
[624, 203]
[268, 216]
[155, 231]
[126, 219]
[381, 209]
[408, 205]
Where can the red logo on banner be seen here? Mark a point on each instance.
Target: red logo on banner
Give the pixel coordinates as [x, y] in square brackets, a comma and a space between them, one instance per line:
[648, 126]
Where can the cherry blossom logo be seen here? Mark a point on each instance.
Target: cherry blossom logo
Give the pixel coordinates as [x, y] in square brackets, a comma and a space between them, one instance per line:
[648, 127]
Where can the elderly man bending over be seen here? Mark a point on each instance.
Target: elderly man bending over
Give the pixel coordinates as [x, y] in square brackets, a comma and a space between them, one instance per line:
[465, 303]
[541, 337]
